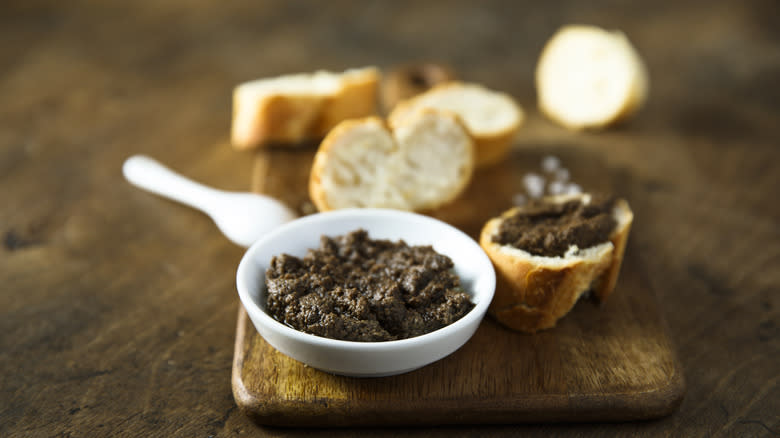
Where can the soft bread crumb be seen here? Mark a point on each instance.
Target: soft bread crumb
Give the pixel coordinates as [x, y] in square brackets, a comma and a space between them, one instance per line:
[588, 77]
[492, 118]
[424, 162]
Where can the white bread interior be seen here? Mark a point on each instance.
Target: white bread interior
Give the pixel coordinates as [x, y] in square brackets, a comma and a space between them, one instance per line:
[492, 118]
[533, 292]
[425, 161]
[292, 108]
[588, 77]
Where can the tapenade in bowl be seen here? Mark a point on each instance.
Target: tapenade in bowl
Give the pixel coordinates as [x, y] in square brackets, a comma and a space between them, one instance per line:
[400, 290]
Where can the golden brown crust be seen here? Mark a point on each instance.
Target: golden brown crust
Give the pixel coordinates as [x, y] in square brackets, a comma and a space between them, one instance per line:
[492, 150]
[606, 283]
[277, 119]
[532, 296]
[358, 98]
[287, 119]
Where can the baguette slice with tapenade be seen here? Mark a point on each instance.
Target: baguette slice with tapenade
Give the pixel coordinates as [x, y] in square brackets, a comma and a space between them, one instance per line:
[292, 108]
[534, 291]
[425, 161]
[492, 118]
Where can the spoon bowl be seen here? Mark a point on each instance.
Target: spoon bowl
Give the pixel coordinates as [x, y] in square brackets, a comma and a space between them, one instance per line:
[246, 217]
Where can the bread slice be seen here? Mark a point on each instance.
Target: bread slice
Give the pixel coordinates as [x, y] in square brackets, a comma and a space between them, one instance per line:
[533, 292]
[492, 118]
[424, 162]
[292, 108]
[588, 77]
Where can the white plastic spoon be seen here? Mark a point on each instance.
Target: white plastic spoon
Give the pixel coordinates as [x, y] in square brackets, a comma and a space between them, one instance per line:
[242, 217]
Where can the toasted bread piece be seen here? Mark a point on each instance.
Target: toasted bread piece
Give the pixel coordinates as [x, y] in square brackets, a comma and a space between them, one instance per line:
[588, 77]
[292, 108]
[424, 162]
[533, 292]
[492, 118]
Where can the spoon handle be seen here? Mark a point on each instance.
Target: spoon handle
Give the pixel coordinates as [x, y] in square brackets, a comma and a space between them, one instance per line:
[150, 175]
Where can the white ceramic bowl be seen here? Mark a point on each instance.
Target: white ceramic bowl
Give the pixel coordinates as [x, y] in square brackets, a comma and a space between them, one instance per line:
[366, 359]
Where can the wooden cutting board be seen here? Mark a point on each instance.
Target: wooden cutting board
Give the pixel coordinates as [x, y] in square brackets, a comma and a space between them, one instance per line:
[608, 362]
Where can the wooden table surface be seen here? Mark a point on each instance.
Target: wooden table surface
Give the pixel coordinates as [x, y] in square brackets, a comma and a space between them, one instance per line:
[118, 308]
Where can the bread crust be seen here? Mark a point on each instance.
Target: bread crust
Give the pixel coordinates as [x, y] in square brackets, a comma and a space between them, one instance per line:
[494, 149]
[606, 283]
[533, 293]
[489, 148]
[289, 118]
[358, 98]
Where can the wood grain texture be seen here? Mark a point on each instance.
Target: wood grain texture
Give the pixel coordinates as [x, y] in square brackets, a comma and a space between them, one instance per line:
[118, 309]
[612, 362]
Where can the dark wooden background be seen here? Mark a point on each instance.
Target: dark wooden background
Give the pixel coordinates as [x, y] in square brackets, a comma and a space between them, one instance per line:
[118, 308]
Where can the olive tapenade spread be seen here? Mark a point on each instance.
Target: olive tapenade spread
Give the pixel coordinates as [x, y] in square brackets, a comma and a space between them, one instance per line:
[548, 229]
[358, 289]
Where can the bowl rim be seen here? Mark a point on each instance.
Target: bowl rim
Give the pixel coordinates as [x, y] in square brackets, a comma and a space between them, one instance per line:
[477, 313]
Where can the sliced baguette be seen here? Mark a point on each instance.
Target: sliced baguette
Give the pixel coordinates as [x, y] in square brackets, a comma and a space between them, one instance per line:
[492, 118]
[292, 108]
[588, 77]
[533, 292]
[424, 162]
